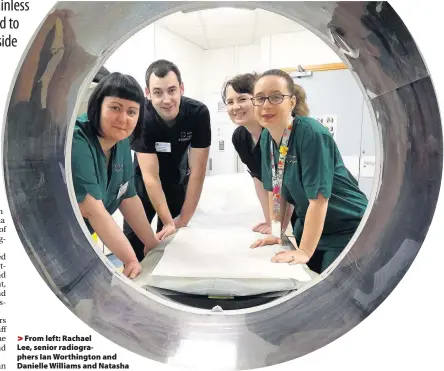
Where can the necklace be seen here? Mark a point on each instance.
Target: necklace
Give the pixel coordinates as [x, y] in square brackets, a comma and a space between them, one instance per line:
[277, 178]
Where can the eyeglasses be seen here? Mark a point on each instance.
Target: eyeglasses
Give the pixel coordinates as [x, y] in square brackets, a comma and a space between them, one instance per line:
[273, 99]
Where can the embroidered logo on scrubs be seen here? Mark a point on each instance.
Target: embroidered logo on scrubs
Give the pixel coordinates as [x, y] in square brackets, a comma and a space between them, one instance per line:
[291, 159]
[118, 167]
[185, 136]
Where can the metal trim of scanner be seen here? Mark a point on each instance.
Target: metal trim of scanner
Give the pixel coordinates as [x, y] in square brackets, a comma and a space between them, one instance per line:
[58, 66]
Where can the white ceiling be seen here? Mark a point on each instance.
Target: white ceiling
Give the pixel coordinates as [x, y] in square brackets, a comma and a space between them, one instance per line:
[223, 27]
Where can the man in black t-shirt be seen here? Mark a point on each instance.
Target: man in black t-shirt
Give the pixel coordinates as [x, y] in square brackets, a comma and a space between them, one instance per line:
[171, 153]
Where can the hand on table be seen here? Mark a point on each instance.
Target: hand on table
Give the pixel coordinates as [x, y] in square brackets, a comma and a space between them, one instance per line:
[179, 222]
[263, 228]
[132, 269]
[167, 230]
[269, 240]
[292, 257]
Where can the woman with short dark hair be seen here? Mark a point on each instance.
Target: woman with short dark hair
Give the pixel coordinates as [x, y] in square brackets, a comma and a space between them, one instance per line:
[102, 168]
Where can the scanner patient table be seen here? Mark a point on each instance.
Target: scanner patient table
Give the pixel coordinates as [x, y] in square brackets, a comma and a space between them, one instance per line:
[210, 261]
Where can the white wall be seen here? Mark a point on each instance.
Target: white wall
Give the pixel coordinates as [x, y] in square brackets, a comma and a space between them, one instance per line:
[155, 42]
[205, 71]
[220, 64]
[187, 56]
[305, 48]
[272, 51]
[123, 59]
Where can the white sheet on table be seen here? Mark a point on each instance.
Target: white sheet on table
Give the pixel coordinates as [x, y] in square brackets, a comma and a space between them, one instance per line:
[199, 252]
[212, 256]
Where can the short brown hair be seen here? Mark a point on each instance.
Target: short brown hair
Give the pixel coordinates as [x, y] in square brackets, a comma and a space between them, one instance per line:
[241, 84]
[161, 68]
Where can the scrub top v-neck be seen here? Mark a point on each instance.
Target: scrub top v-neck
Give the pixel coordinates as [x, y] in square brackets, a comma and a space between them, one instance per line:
[90, 171]
[314, 165]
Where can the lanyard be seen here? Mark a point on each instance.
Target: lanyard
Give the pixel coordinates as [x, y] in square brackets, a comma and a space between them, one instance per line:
[277, 178]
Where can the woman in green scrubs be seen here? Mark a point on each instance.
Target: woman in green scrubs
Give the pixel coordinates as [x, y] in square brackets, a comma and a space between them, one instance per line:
[302, 164]
[102, 168]
[236, 94]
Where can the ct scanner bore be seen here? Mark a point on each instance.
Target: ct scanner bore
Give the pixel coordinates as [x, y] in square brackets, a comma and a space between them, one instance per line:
[60, 62]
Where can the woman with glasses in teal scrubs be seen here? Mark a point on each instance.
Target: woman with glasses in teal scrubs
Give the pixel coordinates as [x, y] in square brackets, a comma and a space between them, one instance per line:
[302, 164]
[236, 94]
[102, 168]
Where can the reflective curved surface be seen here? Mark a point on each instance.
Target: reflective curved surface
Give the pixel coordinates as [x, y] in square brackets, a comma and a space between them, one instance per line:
[64, 56]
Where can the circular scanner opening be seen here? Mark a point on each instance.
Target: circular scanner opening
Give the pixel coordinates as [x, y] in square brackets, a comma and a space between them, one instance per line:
[380, 53]
[207, 56]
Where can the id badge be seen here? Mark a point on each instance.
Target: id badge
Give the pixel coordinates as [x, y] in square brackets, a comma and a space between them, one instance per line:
[163, 147]
[276, 229]
[122, 190]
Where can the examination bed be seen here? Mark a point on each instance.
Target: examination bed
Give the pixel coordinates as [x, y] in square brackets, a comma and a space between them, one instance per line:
[210, 263]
